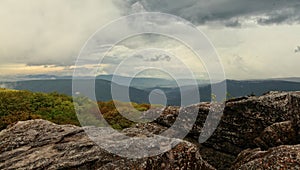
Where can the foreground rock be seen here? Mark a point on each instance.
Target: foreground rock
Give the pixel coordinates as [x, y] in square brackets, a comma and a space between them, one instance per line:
[39, 144]
[248, 122]
[281, 157]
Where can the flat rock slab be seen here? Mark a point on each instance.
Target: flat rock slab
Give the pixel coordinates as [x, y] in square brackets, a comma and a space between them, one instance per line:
[40, 144]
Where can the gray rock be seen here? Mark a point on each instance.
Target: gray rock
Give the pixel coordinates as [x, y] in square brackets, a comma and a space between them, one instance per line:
[39, 144]
[282, 133]
[281, 157]
[242, 123]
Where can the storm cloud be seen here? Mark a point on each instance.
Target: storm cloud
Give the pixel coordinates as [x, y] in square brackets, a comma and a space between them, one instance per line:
[46, 36]
[228, 12]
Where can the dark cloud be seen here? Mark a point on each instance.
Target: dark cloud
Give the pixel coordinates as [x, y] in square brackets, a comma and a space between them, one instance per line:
[203, 11]
[160, 57]
[297, 49]
[288, 15]
[235, 23]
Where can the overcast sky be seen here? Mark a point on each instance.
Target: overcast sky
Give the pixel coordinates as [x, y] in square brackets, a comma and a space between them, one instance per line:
[254, 39]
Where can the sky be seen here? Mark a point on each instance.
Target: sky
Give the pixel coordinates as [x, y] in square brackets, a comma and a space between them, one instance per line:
[254, 39]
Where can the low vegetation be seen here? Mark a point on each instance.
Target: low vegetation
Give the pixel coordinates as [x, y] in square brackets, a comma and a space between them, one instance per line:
[58, 108]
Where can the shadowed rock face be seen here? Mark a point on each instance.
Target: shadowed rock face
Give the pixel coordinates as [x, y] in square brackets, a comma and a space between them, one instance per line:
[39, 144]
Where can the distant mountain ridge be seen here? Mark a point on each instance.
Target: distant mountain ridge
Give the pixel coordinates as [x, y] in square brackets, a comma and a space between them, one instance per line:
[140, 88]
[103, 88]
[149, 82]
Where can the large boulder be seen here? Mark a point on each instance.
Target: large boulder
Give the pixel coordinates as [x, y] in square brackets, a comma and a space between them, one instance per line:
[281, 157]
[281, 133]
[39, 144]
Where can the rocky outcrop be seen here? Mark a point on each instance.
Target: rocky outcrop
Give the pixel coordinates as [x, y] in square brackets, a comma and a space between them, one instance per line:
[281, 157]
[255, 132]
[39, 144]
[247, 122]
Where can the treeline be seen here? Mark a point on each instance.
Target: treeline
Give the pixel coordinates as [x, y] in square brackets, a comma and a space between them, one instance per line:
[58, 108]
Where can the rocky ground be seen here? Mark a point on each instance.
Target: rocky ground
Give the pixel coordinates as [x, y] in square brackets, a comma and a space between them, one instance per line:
[254, 133]
[249, 122]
